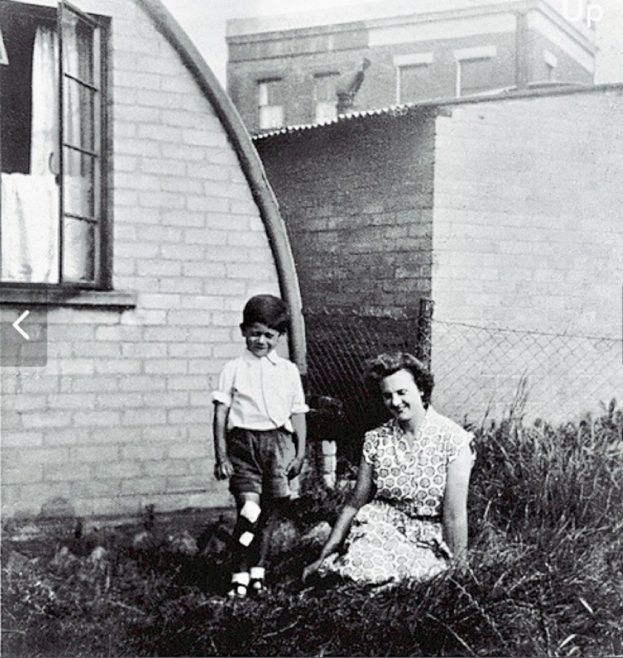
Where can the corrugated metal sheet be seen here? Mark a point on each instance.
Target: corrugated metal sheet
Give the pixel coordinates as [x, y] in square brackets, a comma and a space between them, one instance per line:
[533, 91]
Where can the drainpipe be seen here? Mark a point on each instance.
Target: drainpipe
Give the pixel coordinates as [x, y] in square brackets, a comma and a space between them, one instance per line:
[346, 95]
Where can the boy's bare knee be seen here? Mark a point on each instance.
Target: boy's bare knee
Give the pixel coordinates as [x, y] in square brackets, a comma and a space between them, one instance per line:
[250, 510]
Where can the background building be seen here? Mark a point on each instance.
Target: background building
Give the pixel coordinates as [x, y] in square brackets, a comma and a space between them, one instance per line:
[498, 210]
[287, 70]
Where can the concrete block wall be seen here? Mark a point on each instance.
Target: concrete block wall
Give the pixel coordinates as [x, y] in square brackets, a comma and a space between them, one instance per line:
[528, 237]
[357, 202]
[121, 415]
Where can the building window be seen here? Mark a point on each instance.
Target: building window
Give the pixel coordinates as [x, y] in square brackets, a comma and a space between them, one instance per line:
[270, 101]
[551, 62]
[413, 77]
[474, 70]
[413, 82]
[52, 220]
[325, 96]
[474, 76]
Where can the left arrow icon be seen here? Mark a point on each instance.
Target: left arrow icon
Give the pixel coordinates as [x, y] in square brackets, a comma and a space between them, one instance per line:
[16, 325]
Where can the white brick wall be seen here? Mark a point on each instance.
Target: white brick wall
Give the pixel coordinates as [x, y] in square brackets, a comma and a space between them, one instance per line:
[528, 236]
[121, 416]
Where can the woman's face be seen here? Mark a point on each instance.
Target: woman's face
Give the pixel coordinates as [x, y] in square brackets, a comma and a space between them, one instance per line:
[402, 397]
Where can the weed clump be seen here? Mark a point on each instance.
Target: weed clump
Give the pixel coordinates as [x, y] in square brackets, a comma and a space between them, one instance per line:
[545, 574]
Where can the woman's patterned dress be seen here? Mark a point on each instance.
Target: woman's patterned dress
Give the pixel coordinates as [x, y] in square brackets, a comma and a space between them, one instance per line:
[399, 534]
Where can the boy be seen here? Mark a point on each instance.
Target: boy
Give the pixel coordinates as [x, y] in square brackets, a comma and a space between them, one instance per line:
[259, 436]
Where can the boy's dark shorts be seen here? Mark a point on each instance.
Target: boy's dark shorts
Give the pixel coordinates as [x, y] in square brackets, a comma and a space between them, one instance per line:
[260, 459]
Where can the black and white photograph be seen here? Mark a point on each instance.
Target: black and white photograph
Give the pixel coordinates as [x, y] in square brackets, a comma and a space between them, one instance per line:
[311, 328]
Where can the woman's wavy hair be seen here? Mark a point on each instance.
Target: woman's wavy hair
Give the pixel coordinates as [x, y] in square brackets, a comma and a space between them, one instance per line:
[388, 363]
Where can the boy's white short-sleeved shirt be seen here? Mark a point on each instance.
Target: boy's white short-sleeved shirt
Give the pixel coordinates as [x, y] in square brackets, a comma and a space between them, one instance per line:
[260, 392]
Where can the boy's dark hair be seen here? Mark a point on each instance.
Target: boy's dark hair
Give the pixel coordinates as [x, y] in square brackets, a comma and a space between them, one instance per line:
[388, 363]
[268, 310]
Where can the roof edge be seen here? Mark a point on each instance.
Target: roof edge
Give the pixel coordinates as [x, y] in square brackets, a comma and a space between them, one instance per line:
[439, 105]
[251, 166]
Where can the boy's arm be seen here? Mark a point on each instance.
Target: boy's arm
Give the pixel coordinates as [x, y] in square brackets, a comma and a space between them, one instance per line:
[222, 467]
[297, 417]
[300, 438]
[222, 398]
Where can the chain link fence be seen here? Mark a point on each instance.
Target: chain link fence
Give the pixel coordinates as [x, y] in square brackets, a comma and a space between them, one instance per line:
[479, 371]
[484, 371]
[339, 342]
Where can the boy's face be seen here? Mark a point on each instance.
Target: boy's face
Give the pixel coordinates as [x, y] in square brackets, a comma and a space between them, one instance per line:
[260, 339]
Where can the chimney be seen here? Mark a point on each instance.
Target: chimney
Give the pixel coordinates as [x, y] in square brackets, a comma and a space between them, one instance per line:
[346, 94]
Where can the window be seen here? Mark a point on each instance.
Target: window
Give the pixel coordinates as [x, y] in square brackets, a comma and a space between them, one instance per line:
[270, 103]
[474, 76]
[474, 70]
[3, 56]
[51, 120]
[413, 81]
[325, 96]
[551, 62]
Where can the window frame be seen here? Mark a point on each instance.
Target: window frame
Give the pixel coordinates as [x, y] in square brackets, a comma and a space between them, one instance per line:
[265, 81]
[4, 59]
[551, 63]
[409, 61]
[102, 259]
[479, 53]
[323, 75]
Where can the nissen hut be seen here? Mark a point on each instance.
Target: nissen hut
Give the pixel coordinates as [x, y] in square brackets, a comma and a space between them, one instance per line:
[135, 222]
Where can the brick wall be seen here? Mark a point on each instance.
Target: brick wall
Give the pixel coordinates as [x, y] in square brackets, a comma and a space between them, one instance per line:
[357, 202]
[121, 415]
[379, 86]
[527, 236]
[566, 69]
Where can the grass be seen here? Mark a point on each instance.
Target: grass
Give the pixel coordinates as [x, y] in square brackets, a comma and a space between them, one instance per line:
[545, 575]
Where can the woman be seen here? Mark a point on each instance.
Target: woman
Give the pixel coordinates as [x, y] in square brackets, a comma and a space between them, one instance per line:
[407, 516]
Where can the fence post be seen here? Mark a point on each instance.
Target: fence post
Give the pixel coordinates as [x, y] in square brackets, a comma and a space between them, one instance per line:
[424, 330]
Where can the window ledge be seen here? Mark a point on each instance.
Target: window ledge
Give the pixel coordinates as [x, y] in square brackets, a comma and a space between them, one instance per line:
[22, 295]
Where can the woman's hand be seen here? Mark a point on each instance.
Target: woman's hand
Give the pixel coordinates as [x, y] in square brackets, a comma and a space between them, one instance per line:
[223, 469]
[311, 569]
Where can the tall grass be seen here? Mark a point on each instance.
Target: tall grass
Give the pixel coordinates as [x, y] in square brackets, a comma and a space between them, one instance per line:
[545, 575]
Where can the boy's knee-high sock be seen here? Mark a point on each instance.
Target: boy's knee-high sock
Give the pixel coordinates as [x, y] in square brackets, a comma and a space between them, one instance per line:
[240, 559]
[246, 534]
[255, 549]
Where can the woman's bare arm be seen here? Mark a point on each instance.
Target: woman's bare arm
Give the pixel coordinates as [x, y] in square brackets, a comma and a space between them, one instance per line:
[360, 496]
[455, 502]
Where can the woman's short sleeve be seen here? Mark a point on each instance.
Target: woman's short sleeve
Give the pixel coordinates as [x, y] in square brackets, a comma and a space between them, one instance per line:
[370, 444]
[457, 441]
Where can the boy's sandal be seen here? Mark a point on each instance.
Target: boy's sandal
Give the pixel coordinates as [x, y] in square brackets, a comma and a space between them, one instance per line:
[257, 586]
[237, 591]
[239, 585]
[256, 581]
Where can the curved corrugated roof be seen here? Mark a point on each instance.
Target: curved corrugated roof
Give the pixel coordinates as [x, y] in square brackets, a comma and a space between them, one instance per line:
[250, 165]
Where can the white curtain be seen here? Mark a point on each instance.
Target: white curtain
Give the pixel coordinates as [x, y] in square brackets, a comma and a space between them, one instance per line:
[30, 224]
[44, 144]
